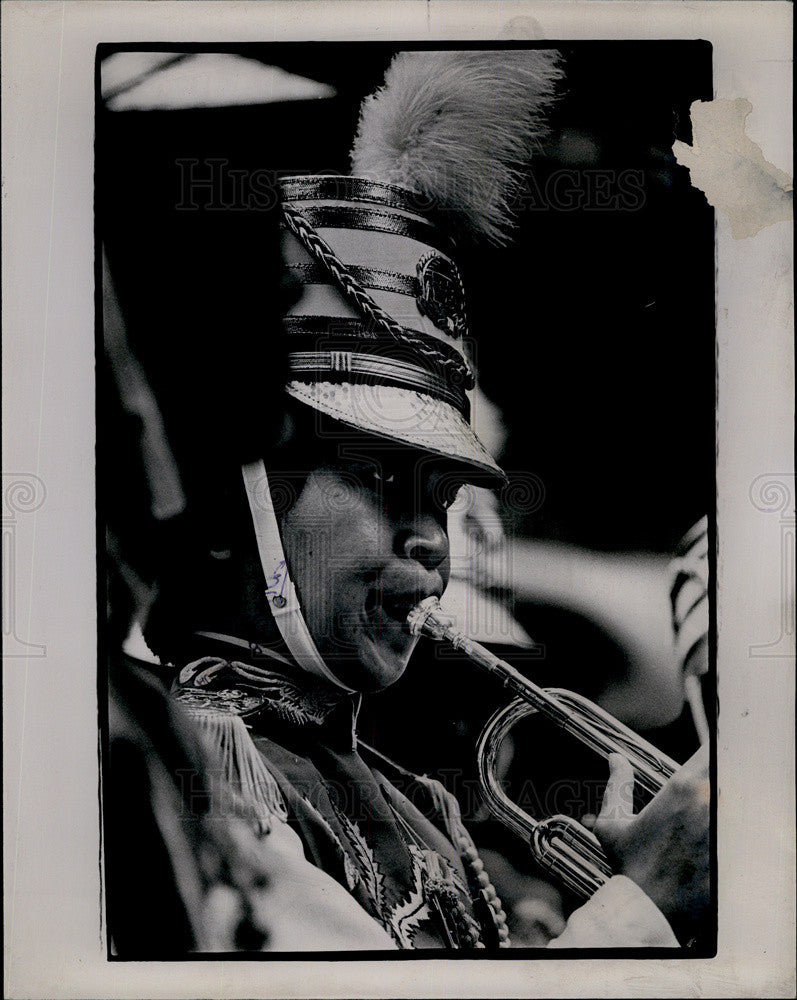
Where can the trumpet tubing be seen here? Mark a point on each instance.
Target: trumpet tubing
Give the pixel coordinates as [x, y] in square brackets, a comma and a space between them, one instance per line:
[562, 846]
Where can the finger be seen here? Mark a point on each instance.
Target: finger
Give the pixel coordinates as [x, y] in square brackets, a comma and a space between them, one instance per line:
[697, 765]
[695, 700]
[689, 783]
[618, 799]
[696, 770]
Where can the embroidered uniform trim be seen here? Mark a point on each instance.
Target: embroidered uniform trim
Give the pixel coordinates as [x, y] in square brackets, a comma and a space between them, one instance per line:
[206, 684]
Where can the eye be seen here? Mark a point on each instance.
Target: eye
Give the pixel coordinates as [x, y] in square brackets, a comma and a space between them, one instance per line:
[371, 476]
[445, 490]
[451, 494]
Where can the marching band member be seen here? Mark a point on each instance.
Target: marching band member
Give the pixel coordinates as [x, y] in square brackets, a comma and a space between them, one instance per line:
[330, 544]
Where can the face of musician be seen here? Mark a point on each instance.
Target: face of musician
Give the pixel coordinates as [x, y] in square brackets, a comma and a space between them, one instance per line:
[365, 541]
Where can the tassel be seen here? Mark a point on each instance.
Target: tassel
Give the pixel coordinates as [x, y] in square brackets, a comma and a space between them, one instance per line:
[448, 808]
[439, 882]
[242, 767]
[445, 806]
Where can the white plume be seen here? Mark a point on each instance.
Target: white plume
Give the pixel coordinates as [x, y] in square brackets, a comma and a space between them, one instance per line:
[459, 128]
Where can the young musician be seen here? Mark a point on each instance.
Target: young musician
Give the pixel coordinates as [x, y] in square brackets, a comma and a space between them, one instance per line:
[326, 545]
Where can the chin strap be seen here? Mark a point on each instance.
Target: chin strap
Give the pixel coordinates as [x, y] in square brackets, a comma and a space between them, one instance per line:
[281, 595]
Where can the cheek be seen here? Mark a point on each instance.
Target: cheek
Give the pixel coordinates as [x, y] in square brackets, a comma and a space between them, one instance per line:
[334, 541]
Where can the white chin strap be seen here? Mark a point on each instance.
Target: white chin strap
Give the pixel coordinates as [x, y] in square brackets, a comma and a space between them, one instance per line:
[283, 600]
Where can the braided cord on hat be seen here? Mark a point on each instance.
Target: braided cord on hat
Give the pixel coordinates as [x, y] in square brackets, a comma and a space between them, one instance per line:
[358, 296]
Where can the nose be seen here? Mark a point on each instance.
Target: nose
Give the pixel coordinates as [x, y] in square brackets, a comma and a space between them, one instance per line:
[424, 541]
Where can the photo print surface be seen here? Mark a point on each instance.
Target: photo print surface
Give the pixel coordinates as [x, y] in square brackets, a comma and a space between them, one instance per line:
[406, 493]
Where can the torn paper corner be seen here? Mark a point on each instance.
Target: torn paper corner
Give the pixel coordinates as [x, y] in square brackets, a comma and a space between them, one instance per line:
[730, 169]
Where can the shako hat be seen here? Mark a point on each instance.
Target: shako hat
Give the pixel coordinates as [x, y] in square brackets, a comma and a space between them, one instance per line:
[378, 338]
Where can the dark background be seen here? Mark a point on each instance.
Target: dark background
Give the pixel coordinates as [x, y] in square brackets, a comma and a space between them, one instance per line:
[594, 329]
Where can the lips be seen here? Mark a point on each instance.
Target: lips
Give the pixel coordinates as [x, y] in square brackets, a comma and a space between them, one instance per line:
[399, 607]
[395, 606]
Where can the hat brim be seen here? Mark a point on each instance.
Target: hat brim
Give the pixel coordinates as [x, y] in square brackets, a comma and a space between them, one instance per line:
[405, 416]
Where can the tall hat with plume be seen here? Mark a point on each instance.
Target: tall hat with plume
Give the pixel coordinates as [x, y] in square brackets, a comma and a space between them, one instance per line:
[380, 330]
[377, 340]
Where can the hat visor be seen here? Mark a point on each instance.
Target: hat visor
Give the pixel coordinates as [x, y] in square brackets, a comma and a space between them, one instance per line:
[405, 416]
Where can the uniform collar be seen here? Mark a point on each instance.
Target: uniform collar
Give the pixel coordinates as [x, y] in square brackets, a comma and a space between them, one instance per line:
[229, 675]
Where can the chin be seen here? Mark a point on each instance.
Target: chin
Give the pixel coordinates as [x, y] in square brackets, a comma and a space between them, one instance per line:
[379, 670]
[373, 667]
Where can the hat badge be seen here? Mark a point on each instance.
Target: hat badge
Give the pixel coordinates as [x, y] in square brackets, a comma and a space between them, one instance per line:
[441, 296]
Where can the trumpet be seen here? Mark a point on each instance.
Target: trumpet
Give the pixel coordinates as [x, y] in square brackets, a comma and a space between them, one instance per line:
[562, 847]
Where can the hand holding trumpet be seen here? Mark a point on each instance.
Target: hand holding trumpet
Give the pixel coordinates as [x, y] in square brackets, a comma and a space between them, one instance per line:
[665, 847]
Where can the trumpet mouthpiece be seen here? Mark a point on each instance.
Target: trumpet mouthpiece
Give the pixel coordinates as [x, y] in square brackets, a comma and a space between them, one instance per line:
[428, 618]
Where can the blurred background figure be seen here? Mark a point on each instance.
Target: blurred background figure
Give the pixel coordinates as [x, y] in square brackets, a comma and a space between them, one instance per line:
[689, 598]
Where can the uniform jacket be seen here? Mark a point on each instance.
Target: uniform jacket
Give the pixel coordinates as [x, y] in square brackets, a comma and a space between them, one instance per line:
[393, 839]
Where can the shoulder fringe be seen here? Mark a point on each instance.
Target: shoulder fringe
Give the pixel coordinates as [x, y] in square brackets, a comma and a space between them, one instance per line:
[227, 740]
